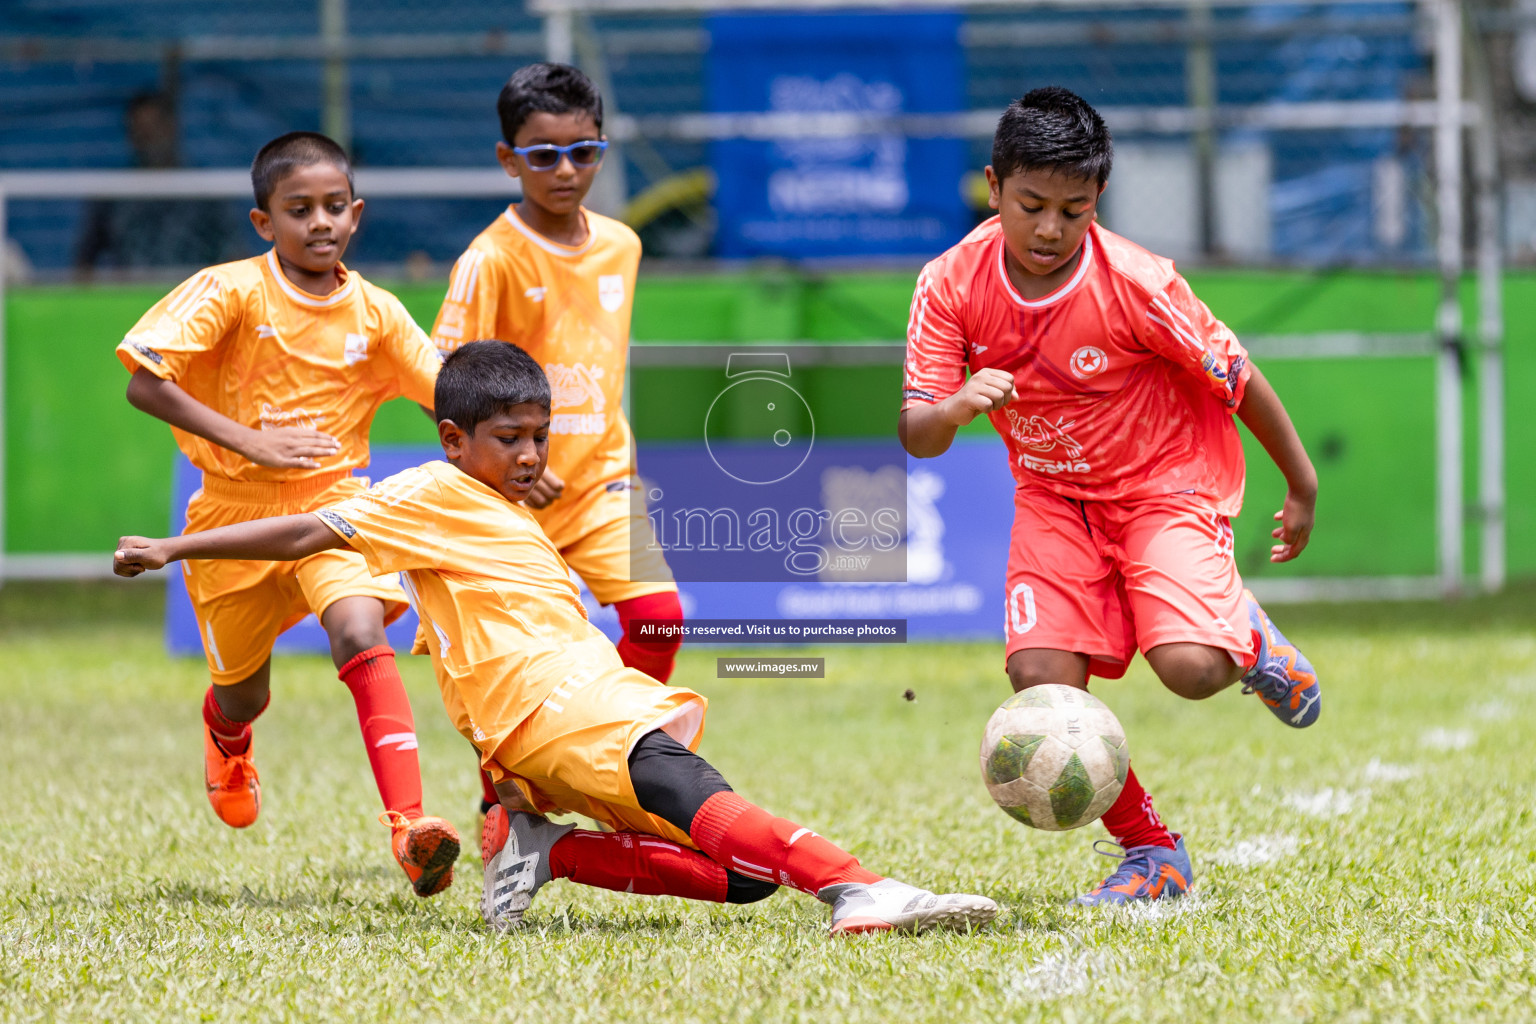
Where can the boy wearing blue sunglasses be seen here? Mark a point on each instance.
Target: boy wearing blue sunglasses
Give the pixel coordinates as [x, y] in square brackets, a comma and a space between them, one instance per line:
[558, 281]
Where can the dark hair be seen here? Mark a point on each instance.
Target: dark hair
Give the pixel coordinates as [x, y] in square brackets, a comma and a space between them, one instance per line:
[482, 378]
[1052, 129]
[546, 88]
[287, 153]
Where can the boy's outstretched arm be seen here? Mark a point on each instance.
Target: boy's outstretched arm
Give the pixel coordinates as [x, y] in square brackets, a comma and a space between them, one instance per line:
[278, 539]
[284, 447]
[1262, 413]
[929, 430]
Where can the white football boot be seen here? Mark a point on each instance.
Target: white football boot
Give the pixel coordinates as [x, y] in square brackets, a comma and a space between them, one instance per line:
[518, 870]
[889, 905]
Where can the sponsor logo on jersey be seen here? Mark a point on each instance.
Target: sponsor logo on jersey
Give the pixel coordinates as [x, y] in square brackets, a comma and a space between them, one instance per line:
[1040, 435]
[1225, 378]
[594, 424]
[274, 417]
[355, 349]
[1089, 361]
[610, 291]
[147, 352]
[571, 387]
[537, 294]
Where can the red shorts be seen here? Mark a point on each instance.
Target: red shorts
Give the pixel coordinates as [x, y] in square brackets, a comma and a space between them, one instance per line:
[1106, 578]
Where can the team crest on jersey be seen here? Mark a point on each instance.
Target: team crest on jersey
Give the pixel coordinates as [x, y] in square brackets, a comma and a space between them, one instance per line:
[610, 291]
[356, 348]
[1088, 361]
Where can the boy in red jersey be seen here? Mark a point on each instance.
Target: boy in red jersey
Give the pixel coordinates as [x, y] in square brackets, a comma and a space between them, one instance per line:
[1114, 388]
[269, 370]
[559, 720]
[558, 280]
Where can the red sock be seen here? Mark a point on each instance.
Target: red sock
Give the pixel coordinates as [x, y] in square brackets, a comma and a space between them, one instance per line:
[1132, 820]
[389, 731]
[488, 797]
[750, 841]
[653, 657]
[639, 863]
[233, 736]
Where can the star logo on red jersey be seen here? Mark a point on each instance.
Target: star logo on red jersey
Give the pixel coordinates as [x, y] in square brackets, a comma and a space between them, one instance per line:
[1088, 361]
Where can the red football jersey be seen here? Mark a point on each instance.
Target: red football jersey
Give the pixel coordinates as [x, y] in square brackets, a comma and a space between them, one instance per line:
[1124, 382]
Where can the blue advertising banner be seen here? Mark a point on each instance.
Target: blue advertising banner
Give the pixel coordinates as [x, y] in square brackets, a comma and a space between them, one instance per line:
[959, 509]
[837, 196]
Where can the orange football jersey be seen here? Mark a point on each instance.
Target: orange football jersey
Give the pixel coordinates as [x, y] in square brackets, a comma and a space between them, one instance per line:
[569, 308]
[248, 343]
[495, 598]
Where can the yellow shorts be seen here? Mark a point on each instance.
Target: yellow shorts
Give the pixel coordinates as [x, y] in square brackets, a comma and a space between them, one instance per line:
[604, 534]
[572, 753]
[242, 606]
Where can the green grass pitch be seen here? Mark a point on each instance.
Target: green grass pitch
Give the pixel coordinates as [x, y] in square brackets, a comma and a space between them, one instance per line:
[1376, 867]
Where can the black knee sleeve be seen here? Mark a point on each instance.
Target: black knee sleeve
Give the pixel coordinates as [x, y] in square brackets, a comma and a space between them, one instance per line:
[741, 889]
[672, 782]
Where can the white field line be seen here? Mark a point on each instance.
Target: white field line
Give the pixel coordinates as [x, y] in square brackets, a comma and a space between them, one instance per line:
[1447, 739]
[1328, 802]
[1493, 710]
[1250, 853]
[1162, 910]
[1058, 974]
[1377, 770]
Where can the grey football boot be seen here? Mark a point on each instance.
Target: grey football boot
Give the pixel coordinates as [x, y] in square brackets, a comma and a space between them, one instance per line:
[516, 872]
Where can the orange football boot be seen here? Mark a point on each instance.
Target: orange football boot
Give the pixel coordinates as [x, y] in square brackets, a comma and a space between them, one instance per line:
[234, 789]
[426, 848]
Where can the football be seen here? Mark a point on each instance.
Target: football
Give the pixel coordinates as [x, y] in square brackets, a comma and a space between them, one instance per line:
[1054, 757]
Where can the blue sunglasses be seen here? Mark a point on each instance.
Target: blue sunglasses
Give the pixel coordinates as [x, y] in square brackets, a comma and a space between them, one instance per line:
[547, 157]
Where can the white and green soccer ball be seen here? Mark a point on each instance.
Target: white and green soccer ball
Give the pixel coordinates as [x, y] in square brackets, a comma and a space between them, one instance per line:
[1054, 757]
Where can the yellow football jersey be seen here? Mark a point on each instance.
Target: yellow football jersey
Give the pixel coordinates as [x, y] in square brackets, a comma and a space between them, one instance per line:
[248, 343]
[503, 621]
[569, 308]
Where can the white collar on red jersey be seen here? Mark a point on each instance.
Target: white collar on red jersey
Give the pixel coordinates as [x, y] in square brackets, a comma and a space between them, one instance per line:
[302, 297]
[1061, 291]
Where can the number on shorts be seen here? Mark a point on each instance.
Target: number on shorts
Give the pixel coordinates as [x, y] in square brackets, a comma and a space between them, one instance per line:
[1021, 609]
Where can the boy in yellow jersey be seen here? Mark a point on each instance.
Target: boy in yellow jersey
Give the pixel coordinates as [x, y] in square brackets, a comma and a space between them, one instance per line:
[269, 371]
[559, 720]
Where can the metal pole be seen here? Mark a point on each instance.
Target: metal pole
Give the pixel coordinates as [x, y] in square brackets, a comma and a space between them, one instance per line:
[5, 270]
[559, 37]
[336, 115]
[1448, 433]
[1490, 333]
[1200, 83]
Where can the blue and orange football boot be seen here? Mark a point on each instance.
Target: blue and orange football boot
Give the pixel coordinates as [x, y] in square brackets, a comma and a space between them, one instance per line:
[1146, 873]
[1282, 677]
